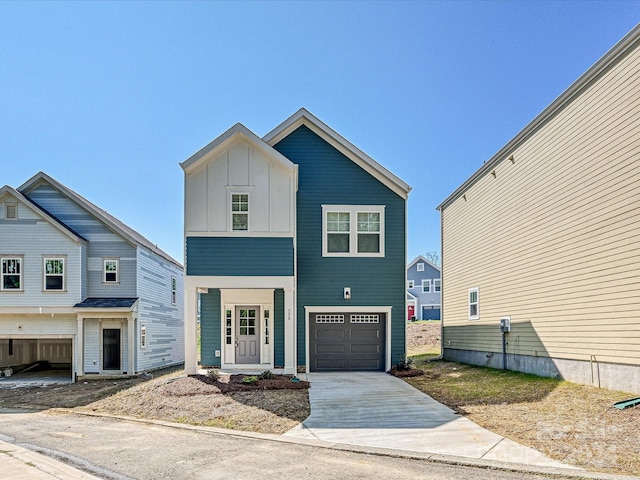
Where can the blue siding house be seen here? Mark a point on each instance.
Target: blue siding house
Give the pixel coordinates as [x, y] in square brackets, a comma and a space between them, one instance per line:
[295, 246]
[81, 290]
[424, 289]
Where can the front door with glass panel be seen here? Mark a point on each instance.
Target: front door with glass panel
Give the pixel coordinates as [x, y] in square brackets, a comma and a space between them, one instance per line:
[111, 349]
[247, 334]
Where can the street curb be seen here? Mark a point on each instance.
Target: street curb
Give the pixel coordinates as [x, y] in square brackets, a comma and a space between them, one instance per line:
[569, 472]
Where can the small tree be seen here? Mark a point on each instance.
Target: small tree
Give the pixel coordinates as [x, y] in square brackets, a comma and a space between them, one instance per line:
[433, 257]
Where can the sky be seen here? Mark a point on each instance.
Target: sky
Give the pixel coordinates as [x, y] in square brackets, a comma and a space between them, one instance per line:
[109, 97]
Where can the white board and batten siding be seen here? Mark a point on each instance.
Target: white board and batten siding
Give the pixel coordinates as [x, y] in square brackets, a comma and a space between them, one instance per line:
[240, 168]
[552, 237]
[163, 319]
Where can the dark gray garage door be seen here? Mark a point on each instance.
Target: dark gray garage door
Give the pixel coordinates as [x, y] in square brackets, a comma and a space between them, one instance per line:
[347, 341]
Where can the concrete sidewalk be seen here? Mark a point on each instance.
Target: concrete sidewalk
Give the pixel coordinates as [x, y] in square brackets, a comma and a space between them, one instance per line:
[18, 463]
[375, 409]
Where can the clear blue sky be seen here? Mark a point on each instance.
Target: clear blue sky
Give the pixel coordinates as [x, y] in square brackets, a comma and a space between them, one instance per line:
[109, 97]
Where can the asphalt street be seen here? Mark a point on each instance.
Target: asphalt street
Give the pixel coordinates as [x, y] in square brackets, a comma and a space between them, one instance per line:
[119, 450]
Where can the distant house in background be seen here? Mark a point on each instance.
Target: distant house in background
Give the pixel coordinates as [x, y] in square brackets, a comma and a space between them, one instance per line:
[81, 290]
[547, 235]
[423, 290]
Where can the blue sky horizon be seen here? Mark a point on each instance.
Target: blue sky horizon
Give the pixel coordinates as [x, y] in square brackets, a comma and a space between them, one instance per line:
[109, 97]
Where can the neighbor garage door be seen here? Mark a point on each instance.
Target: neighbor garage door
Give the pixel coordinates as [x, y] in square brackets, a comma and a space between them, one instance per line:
[346, 341]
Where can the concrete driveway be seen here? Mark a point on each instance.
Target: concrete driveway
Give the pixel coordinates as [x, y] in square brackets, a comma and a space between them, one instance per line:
[378, 410]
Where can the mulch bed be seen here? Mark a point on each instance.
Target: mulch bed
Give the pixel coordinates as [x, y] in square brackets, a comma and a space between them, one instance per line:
[234, 383]
[406, 373]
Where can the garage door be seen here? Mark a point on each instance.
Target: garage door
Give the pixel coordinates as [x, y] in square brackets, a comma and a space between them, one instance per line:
[347, 341]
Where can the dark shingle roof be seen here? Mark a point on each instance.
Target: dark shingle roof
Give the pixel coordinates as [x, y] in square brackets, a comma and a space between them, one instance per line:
[106, 303]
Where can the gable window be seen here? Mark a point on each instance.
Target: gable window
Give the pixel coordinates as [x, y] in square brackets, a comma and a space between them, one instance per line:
[426, 286]
[54, 274]
[353, 231]
[174, 290]
[474, 304]
[239, 211]
[111, 270]
[11, 274]
[437, 285]
[420, 267]
[10, 211]
[411, 283]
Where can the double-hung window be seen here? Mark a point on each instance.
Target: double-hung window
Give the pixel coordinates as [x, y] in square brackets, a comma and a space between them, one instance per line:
[353, 231]
[53, 274]
[11, 274]
[426, 286]
[437, 285]
[239, 211]
[174, 290]
[474, 304]
[111, 270]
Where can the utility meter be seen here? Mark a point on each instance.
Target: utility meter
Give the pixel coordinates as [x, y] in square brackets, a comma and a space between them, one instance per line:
[505, 324]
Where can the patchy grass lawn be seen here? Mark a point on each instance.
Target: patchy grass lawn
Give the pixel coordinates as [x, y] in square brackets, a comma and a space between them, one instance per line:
[572, 423]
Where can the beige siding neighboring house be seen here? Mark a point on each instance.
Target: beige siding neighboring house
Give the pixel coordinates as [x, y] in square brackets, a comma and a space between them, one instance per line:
[547, 233]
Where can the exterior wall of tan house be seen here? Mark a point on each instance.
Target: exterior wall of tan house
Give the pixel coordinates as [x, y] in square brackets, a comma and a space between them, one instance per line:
[547, 233]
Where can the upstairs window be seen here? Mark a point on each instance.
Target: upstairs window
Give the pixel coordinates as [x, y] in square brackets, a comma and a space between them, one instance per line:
[239, 211]
[174, 290]
[474, 304]
[410, 284]
[426, 286]
[143, 335]
[420, 267]
[53, 274]
[11, 274]
[437, 285]
[111, 270]
[353, 231]
[11, 211]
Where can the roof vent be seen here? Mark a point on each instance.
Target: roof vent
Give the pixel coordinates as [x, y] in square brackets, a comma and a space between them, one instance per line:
[11, 211]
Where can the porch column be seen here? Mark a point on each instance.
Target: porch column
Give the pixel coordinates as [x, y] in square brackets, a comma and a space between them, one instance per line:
[131, 324]
[289, 333]
[80, 346]
[190, 335]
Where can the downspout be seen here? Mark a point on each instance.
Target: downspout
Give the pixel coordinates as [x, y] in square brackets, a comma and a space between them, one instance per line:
[442, 285]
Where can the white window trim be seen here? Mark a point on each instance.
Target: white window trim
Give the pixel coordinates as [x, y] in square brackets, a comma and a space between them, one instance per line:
[411, 284]
[434, 285]
[426, 283]
[174, 290]
[477, 315]
[104, 270]
[143, 335]
[231, 193]
[353, 211]
[21, 260]
[420, 267]
[64, 273]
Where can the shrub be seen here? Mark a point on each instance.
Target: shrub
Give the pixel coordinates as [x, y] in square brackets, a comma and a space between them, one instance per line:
[213, 373]
[249, 379]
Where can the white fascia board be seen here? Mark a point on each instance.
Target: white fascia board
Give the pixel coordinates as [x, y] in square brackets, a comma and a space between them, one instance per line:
[618, 51]
[195, 161]
[37, 311]
[193, 282]
[9, 191]
[421, 258]
[115, 225]
[304, 117]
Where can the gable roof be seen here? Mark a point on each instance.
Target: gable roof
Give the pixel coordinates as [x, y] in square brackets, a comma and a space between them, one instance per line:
[304, 117]
[616, 53]
[420, 258]
[109, 220]
[238, 131]
[38, 210]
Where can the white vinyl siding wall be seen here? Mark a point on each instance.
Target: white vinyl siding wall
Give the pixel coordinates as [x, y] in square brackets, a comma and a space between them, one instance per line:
[554, 238]
[165, 328]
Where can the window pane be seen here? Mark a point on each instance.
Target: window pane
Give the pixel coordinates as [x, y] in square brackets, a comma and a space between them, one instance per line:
[11, 282]
[240, 221]
[368, 222]
[338, 243]
[473, 296]
[473, 309]
[368, 243]
[338, 221]
[239, 202]
[110, 277]
[53, 282]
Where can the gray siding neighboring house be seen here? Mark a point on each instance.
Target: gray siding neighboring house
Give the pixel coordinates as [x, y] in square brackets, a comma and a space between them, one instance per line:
[546, 235]
[92, 295]
[424, 287]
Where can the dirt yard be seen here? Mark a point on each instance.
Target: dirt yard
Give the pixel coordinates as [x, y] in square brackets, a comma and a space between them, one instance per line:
[423, 338]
